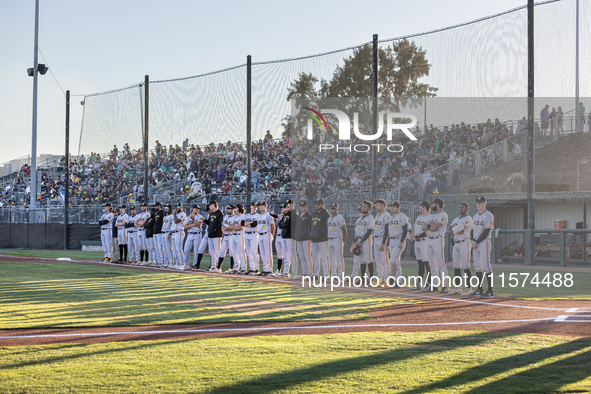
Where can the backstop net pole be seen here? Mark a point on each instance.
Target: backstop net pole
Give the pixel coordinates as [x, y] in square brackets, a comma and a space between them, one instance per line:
[67, 169]
[531, 154]
[146, 150]
[374, 117]
[248, 127]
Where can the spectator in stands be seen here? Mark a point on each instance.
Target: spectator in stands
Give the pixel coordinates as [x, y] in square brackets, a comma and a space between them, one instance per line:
[256, 179]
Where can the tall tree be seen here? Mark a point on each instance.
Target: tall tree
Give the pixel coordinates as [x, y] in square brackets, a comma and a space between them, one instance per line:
[401, 65]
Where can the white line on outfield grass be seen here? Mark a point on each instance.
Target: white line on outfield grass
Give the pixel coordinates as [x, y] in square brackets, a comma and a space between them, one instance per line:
[209, 330]
[262, 279]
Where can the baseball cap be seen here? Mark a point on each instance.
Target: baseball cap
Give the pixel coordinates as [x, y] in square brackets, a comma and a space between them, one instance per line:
[303, 204]
[263, 203]
[425, 204]
[395, 204]
[230, 206]
[167, 206]
[288, 201]
[254, 204]
[334, 205]
[122, 206]
[284, 205]
[107, 204]
[212, 202]
[195, 206]
[438, 201]
[144, 205]
[132, 207]
[178, 205]
[158, 204]
[480, 199]
[320, 201]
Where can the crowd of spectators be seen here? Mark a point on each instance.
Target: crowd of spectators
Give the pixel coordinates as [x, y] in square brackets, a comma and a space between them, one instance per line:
[279, 165]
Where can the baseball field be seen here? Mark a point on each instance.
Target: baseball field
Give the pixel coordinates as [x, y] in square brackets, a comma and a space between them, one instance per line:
[83, 326]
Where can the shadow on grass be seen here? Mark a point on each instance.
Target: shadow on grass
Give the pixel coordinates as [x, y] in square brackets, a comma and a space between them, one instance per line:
[286, 380]
[543, 379]
[50, 360]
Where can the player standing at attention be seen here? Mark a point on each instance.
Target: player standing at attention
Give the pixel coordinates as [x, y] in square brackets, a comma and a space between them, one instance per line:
[193, 226]
[150, 255]
[319, 238]
[435, 247]
[141, 236]
[204, 242]
[286, 241]
[278, 242]
[214, 234]
[115, 230]
[122, 234]
[337, 235]
[238, 241]
[380, 238]
[419, 237]
[106, 223]
[132, 230]
[166, 236]
[266, 229]
[363, 240]
[303, 238]
[251, 238]
[158, 242]
[395, 235]
[460, 229]
[483, 224]
[178, 234]
[227, 243]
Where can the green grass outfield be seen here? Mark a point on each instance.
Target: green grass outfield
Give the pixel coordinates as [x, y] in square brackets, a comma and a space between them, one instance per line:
[67, 294]
[434, 362]
[525, 288]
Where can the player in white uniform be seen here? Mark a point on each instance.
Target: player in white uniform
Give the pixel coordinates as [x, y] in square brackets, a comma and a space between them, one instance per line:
[106, 224]
[363, 239]
[266, 229]
[435, 245]
[193, 226]
[483, 223]
[251, 239]
[203, 244]
[227, 243]
[132, 230]
[238, 241]
[379, 241]
[141, 235]
[395, 235]
[419, 237]
[122, 234]
[167, 236]
[278, 242]
[460, 229]
[178, 235]
[337, 235]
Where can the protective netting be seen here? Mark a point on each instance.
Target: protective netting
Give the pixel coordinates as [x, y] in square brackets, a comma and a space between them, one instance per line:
[484, 58]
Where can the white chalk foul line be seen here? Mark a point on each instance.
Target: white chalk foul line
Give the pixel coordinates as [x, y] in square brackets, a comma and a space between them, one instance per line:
[209, 330]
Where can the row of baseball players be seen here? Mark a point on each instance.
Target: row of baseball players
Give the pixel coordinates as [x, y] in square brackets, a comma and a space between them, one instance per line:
[318, 239]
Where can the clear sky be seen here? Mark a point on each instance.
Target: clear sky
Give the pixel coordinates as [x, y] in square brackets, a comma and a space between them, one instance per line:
[93, 46]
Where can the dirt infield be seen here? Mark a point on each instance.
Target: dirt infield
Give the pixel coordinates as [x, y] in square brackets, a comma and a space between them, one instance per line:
[437, 312]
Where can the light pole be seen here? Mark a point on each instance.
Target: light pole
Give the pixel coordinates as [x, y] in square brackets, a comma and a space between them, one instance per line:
[581, 161]
[32, 72]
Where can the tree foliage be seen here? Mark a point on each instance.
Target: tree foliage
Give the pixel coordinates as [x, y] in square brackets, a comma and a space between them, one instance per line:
[400, 67]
